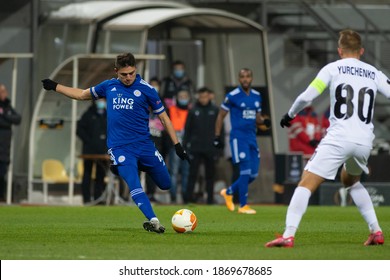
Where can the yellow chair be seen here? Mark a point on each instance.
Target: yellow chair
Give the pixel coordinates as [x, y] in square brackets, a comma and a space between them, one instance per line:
[53, 172]
[80, 171]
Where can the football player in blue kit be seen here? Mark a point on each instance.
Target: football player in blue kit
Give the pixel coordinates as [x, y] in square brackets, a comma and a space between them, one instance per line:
[244, 105]
[129, 99]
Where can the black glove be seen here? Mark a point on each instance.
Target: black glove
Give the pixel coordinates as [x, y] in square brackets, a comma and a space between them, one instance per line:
[218, 142]
[181, 153]
[314, 143]
[49, 84]
[285, 121]
[267, 123]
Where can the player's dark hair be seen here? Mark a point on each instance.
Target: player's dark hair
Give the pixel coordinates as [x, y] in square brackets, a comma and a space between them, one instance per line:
[124, 60]
[349, 40]
[245, 70]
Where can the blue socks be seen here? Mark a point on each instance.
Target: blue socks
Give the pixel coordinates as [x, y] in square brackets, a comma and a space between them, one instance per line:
[143, 203]
[130, 175]
[240, 186]
[242, 183]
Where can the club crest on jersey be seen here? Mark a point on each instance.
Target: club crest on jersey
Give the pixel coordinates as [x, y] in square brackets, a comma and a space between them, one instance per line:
[121, 159]
[137, 93]
[120, 102]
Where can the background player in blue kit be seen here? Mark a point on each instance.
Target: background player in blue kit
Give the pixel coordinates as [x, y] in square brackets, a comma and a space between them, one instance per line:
[244, 105]
[129, 99]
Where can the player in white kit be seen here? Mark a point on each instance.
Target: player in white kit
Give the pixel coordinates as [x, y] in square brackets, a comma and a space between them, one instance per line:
[353, 86]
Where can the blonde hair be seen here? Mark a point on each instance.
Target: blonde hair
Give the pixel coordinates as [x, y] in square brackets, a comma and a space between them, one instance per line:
[350, 41]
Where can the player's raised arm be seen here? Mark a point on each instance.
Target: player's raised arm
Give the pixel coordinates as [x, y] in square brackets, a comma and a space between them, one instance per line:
[302, 101]
[74, 93]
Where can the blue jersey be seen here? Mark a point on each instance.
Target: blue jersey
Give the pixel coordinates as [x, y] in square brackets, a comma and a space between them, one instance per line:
[128, 110]
[243, 109]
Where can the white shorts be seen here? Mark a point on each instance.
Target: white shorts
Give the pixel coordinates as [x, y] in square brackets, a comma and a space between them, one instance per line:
[330, 155]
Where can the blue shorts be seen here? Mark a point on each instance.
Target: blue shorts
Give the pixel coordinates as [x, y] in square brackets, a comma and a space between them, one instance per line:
[141, 156]
[247, 154]
[244, 150]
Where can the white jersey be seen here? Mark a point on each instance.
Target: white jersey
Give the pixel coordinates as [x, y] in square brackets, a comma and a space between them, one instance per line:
[353, 86]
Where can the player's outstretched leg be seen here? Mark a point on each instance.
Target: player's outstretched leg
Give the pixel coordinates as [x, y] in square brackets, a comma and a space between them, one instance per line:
[295, 211]
[362, 200]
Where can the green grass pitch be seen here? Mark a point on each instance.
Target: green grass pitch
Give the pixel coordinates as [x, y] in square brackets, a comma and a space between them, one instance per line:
[116, 233]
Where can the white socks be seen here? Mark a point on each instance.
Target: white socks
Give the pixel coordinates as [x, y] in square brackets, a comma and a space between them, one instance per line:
[296, 209]
[363, 202]
[300, 201]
